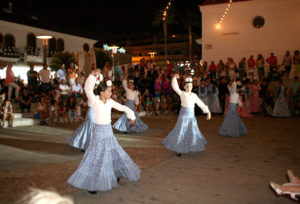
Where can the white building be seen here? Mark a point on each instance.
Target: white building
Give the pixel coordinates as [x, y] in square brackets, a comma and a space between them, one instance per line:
[22, 40]
[277, 31]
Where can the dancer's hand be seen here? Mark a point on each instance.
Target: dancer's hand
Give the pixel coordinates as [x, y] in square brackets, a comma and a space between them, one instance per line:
[132, 122]
[208, 116]
[176, 75]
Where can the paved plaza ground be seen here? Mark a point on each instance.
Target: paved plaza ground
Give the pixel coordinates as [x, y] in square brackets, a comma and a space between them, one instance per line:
[231, 170]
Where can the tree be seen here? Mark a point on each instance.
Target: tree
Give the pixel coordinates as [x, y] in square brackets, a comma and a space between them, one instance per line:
[61, 58]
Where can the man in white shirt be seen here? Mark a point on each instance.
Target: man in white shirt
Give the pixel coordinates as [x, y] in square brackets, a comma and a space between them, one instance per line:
[77, 89]
[64, 90]
[44, 75]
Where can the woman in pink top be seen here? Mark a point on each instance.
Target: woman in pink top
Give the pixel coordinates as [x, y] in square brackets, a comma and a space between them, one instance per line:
[10, 82]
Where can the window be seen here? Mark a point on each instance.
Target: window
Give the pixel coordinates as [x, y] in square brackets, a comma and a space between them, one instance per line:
[51, 47]
[86, 47]
[60, 46]
[31, 41]
[9, 41]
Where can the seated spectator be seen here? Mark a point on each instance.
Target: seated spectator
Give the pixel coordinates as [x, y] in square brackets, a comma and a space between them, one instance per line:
[77, 89]
[41, 110]
[6, 113]
[53, 111]
[164, 104]
[25, 100]
[149, 106]
[83, 105]
[63, 111]
[71, 106]
[64, 90]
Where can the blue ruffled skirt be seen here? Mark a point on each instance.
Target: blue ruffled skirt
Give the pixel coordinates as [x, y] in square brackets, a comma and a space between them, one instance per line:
[123, 124]
[185, 136]
[232, 124]
[82, 135]
[103, 162]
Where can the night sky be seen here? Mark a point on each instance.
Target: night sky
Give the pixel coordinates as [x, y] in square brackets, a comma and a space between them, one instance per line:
[101, 20]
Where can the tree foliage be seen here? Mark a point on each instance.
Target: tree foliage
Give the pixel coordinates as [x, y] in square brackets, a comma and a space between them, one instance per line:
[102, 57]
[61, 58]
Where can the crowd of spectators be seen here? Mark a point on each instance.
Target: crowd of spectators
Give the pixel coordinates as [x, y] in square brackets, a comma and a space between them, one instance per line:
[60, 98]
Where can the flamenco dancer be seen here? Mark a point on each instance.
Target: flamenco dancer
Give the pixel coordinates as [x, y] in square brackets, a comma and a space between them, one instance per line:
[123, 124]
[105, 161]
[185, 136]
[232, 125]
[81, 136]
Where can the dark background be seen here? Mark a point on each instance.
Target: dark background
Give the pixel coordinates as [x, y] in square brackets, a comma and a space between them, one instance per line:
[105, 19]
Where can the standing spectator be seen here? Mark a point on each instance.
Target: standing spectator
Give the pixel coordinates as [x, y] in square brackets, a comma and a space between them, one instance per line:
[221, 69]
[72, 74]
[212, 70]
[296, 62]
[10, 82]
[32, 77]
[222, 93]
[281, 108]
[45, 78]
[251, 66]
[272, 60]
[242, 68]
[62, 73]
[231, 67]
[7, 114]
[25, 100]
[260, 63]
[287, 62]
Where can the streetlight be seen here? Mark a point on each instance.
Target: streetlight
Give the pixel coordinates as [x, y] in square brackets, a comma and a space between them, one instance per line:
[152, 54]
[114, 49]
[45, 39]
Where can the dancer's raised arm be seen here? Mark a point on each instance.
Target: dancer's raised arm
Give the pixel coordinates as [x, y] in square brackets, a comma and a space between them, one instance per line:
[89, 88]
[175, 84]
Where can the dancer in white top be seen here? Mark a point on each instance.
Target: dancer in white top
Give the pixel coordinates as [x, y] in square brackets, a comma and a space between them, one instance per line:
[232, 124]
[104, 160]
[81, 137]
[185, 136]
[122, 124]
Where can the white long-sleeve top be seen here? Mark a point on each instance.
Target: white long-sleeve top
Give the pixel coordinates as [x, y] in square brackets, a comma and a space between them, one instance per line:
[234, 96]
[188, 100]
[131, 95]
[103, 110]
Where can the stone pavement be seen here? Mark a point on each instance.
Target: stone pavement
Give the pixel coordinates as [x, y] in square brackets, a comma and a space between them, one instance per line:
[231, 170]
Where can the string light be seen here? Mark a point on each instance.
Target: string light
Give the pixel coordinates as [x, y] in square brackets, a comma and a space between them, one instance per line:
[165, 11]
[219, 25]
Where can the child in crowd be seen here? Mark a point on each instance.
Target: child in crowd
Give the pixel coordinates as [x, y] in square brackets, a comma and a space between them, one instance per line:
[53, 111]
[6, 113]
[149, 106]
[243, 110]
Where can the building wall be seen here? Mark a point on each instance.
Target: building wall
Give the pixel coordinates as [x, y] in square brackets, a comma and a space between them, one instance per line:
[20, 32]
[239, 38]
